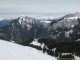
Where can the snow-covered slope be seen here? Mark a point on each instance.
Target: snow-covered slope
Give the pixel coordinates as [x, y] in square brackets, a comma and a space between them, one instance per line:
[12, 51]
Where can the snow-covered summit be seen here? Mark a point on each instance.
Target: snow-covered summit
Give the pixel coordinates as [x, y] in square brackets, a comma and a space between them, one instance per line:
[68, 21]
[72, 16]
[23, 18]
[22, 15]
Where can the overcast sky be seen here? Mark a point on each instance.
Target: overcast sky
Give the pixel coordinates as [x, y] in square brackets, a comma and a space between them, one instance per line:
[14, 8]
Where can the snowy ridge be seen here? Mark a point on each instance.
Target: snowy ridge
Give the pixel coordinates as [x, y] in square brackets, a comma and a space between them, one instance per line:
[72, 16]
[12, 51]
[68, 25]
[65, 23]
[27, 21]
[69, 20]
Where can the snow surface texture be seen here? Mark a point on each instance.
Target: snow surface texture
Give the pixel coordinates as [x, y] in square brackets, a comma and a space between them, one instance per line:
[12, 51]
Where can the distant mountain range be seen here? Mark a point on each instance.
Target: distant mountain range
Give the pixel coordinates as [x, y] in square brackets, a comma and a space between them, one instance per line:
[66, 28]
[5, 21]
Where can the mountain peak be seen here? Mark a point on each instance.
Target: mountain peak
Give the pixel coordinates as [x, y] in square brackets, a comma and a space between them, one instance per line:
[72, 16]
[21, 16]
[77, 13]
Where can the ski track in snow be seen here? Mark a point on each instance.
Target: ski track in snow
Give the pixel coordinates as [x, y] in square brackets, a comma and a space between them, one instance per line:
[12, 51]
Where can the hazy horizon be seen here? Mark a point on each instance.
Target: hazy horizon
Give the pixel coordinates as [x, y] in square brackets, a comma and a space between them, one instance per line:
[14, 8]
